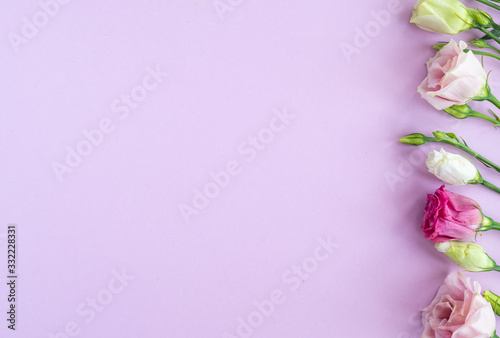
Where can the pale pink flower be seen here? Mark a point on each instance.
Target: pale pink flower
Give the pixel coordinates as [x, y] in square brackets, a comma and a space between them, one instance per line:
[454, 77]
[458, 311]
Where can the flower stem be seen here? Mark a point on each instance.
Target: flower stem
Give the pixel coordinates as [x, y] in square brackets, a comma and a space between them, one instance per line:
[465, 148]
[489, 224]
[477, 52]
[487, 32]
[418, 139]
[488, 3]
[493, 100]
[484, 117]
[494, 48]
[490, 186]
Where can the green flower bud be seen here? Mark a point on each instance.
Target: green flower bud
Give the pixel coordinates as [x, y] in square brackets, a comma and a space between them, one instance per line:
[415, 139]
[494, 300]
[439, 135]
[452, 168]
[467, 255]
[459, 111]
[479, 43]
[480, 17]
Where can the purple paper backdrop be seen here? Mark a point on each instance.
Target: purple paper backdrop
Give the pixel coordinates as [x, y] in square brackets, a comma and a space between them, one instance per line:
[221, 169]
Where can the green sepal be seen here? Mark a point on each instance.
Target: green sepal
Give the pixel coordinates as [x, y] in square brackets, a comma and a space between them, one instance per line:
[494, 115]
[494, 300]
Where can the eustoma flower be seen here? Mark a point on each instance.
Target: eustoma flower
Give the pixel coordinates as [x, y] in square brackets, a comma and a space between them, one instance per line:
[452, 17]
[452, 168]
[447, 16]
[449, 216]
[458, 310]
[454, 77]
[468, 256]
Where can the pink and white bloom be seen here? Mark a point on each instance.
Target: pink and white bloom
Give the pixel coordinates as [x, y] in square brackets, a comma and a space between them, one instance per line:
[449, 216]
[454, 77]
[458, 311]
[451, 168]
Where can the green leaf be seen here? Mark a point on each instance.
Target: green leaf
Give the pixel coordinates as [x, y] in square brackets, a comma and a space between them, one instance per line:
[494, 115]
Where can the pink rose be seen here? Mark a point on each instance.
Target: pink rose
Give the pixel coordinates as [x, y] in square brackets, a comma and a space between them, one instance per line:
[454, 77]
[458, 311]
[449, 216]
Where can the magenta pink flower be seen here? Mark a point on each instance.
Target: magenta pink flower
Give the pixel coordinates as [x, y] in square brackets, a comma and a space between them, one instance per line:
[449, 216]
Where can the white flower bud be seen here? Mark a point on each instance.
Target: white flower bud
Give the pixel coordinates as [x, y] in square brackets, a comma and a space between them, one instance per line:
[451, 168]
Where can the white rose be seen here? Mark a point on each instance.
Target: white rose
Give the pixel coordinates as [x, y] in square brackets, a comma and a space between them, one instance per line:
[451, 168]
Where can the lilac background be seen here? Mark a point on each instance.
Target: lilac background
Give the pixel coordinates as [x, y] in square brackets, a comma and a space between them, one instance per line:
[323, 175]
